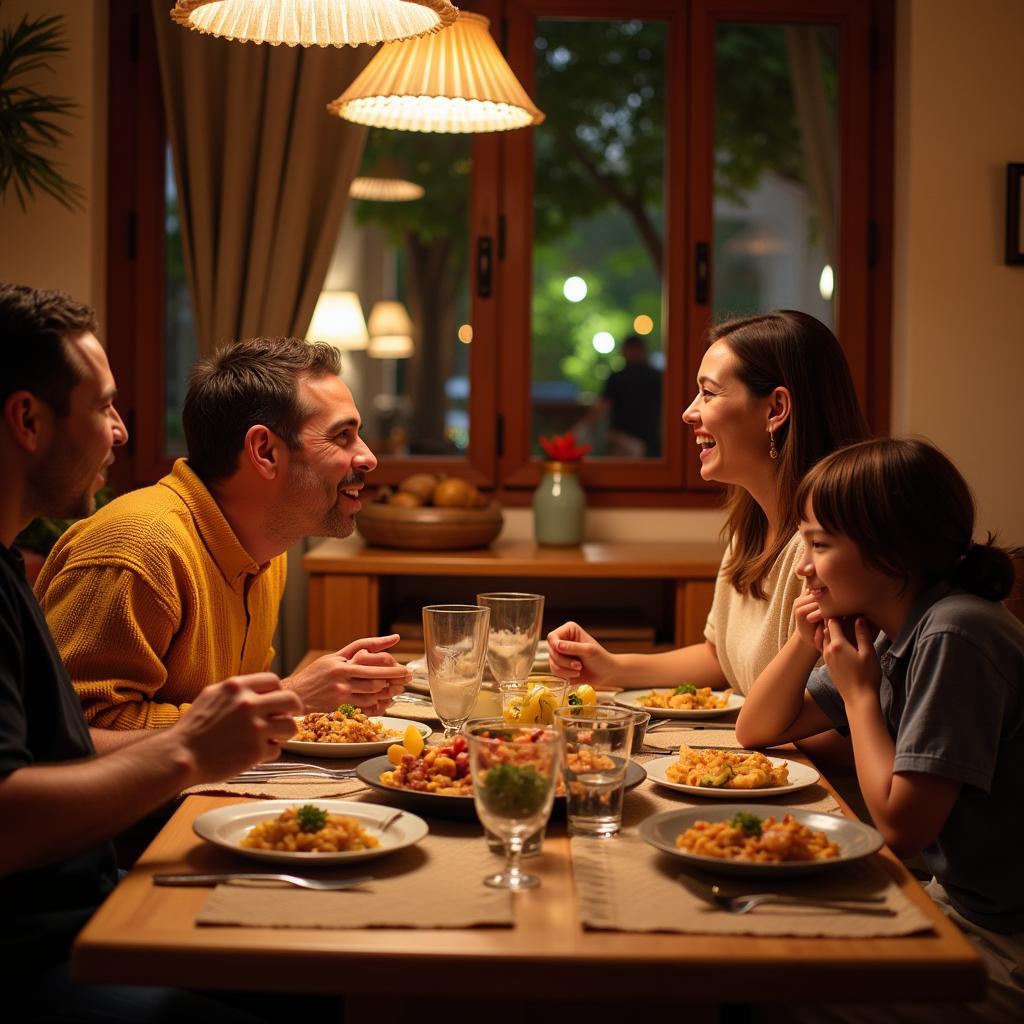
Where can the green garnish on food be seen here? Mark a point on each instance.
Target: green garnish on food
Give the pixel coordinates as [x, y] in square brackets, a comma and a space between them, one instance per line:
[684, 688]
[348, 710]
[575, 700]
[515, 791]
[310, 818]
[750, 824]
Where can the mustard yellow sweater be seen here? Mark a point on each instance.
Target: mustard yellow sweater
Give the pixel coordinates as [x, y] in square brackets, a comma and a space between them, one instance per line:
[153, 598]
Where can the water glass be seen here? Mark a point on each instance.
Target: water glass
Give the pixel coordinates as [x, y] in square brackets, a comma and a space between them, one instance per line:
[641, 720]
[517, 706]
[513, 636]
[595, 756]
[515, 770]
[455, 638]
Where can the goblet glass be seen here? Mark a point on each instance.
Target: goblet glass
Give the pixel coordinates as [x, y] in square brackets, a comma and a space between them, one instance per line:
[455, 638]
[515, 770]
[513, 637]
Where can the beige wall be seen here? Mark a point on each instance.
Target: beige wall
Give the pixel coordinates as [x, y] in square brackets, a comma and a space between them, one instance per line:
[958, 323]
[46, 245]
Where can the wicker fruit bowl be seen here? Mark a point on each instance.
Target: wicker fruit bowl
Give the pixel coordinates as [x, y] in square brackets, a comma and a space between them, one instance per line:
[429, 528]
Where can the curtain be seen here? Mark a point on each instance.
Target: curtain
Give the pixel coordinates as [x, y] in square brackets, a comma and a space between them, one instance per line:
[263, 173]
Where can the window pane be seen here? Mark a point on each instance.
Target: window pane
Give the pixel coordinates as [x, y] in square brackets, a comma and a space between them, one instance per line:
[776, 168]
[414, 252]
[181, 348]
[598, 226]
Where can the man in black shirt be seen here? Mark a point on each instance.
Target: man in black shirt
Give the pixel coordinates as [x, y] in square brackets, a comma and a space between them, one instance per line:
[61, 802]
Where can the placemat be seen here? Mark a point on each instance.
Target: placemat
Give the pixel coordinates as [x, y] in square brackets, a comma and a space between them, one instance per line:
[305, 787]
[623, 884]
[672, 737]
[438, 883]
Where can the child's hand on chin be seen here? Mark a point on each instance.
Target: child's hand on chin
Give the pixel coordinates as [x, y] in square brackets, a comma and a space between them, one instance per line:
[810, 623]
[854, 667]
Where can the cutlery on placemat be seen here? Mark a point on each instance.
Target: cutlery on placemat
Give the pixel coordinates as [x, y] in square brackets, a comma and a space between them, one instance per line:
[324, 884]
[745, 902]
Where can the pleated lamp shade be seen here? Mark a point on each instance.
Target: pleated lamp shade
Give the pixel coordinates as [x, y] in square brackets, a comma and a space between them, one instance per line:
[453, 81]
[390, 331]
[315, 22]
[338, 320]
[384, 189]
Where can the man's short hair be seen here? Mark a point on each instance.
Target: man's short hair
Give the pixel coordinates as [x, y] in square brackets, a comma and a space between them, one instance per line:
[247, 383]
[35, 327]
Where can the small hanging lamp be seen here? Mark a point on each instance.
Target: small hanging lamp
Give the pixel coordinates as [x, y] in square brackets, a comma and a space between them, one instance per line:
[315, 22]
[453, 81]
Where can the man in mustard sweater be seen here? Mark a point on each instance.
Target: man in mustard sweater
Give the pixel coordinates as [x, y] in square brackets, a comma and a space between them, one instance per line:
[179, 583]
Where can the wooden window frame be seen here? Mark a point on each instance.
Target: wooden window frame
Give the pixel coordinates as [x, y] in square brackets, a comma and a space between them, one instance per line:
[499, 457]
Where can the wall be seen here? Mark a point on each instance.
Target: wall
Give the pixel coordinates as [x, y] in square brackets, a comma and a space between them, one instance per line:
[46, 245]
[958, 322]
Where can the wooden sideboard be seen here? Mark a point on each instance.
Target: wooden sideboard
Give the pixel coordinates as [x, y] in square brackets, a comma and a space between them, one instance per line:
[357, 591]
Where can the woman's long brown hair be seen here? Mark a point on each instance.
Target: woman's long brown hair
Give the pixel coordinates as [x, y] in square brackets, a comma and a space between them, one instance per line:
[790, 349]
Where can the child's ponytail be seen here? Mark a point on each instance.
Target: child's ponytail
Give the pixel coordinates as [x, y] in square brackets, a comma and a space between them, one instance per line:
[985, 570]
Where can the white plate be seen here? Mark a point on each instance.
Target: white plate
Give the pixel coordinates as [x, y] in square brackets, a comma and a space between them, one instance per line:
[629, 698]
[856, 840]
[228, 826]
[357, 749]
[800, 777]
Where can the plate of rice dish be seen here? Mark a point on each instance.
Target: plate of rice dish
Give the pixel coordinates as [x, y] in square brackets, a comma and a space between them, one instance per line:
[347, 732]
[729, 774]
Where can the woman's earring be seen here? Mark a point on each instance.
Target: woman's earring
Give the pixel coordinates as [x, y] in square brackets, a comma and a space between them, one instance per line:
[773, 452]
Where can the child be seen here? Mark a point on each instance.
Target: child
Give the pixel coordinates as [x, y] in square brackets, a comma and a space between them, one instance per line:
[934, 707]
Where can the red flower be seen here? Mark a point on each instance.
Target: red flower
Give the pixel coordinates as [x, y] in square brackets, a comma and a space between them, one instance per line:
[563, 448]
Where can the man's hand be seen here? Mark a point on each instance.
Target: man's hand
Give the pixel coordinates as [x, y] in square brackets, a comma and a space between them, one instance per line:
[576, 655]
[362, 674]
[236, 723]
[854, 667]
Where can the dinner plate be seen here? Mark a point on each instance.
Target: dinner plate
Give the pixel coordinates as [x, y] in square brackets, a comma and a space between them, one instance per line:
[460, 808]
[856, 840]
[357, 749]
[629, 698]
[228, 826]
[800, 777]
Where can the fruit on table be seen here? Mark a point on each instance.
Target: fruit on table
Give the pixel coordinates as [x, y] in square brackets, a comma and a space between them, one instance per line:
[585, 694]
[537, 707]
[412, 743]
[454, 493]
[405, 499]
[420, 484]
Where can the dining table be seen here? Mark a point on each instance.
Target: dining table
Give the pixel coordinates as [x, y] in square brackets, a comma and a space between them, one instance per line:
[544, 958]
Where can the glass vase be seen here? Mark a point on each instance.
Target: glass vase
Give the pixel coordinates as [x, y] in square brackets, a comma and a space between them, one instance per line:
[559, 506]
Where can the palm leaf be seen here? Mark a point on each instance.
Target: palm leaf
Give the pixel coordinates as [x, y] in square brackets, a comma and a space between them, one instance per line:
[29, 125]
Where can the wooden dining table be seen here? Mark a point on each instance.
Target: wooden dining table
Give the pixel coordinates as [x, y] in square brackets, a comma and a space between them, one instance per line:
[144, 934]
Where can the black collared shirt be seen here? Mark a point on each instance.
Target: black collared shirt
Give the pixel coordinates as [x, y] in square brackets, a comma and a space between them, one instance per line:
[952, 695]
[41, 723]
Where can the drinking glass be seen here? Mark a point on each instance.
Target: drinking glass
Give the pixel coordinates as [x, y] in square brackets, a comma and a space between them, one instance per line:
[515, 770]
[513, 637]
[595, 755]
[455, 638]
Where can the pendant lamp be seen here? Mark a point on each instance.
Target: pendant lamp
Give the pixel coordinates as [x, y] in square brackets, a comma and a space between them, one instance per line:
[454, 81]
[315, 22]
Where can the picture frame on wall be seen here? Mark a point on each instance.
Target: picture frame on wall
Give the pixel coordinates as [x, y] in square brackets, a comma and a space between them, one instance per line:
[1014, 213]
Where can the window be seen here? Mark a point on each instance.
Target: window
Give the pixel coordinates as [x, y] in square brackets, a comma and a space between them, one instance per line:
[697, 159]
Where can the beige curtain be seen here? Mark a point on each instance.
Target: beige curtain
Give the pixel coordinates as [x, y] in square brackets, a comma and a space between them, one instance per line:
[263, 173]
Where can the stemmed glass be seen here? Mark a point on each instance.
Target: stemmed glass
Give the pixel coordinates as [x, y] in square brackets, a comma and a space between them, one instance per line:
[455, 638]
[514, 634]
[515, 769]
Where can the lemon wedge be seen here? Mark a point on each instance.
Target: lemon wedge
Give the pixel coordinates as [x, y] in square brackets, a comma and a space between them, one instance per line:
[395, 753]
[412, 741]
[513, 711]
[547, 702]
[586, 694]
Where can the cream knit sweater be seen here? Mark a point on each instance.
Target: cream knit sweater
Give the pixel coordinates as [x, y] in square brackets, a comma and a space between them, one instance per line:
[153, 598]
[748, 633]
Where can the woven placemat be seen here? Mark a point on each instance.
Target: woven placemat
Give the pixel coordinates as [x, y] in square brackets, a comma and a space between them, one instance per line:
[438, 883]
[624, 884]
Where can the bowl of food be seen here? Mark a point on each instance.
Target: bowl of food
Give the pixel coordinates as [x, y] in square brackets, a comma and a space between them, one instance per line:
[430, 513]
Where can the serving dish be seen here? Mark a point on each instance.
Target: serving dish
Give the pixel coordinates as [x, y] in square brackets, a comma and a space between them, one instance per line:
[429, 528]
[227, 827]
[855, 839]
[459, 808]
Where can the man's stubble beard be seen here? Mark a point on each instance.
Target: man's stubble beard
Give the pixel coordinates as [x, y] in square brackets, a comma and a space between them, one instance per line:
[333, 523]
[56, 488]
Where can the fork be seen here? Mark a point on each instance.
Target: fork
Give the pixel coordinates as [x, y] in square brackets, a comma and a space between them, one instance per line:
[851, 904]
[311, 771]
[324, 884]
